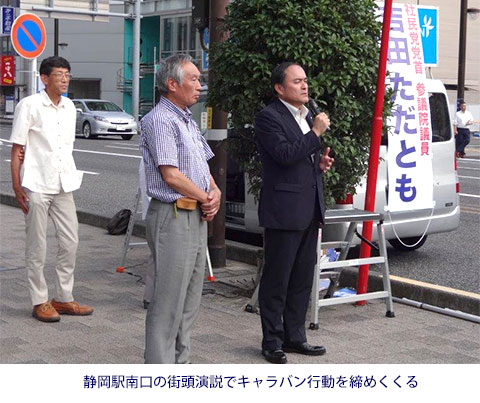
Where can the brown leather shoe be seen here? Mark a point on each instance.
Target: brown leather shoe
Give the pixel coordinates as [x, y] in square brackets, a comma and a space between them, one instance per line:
[72, 308]
[45, 313]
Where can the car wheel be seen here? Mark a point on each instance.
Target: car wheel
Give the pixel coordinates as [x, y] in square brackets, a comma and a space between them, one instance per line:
[87, 131]
[127, 136]
[411, 243]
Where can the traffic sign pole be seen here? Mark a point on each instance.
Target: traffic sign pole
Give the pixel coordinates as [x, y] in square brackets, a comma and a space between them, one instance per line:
[29, 39]
[32, 77]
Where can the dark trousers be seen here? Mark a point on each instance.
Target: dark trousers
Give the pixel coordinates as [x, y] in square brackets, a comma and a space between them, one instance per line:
[286, 283]
[461, 140]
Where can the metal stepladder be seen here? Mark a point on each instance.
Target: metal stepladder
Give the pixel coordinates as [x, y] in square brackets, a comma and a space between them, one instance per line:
[131, 223]
[332, 270]
[127, 244]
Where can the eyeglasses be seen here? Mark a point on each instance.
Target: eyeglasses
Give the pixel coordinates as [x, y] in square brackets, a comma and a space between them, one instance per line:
[60, 75]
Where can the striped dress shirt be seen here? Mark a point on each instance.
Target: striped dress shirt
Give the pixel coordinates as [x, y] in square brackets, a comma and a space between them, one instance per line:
[169, 136]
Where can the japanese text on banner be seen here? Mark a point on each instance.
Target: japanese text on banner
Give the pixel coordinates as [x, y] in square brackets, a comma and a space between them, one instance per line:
[410, 175]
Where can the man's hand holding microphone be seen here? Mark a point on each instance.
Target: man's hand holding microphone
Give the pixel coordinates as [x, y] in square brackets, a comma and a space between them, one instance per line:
[321, 123]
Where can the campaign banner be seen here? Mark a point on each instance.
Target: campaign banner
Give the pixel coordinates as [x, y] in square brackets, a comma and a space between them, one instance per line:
[410, 174]
[7, 70]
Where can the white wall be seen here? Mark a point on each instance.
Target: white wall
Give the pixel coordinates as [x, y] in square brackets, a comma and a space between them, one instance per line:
[95, 50]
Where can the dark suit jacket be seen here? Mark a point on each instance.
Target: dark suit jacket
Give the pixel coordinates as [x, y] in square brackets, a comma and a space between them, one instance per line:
[290, 178]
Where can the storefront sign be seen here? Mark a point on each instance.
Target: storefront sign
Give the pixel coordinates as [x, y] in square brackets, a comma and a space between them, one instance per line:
[7, 16]
[7, 70]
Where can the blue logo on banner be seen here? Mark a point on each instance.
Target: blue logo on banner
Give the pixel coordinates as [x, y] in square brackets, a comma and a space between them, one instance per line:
[428, 18]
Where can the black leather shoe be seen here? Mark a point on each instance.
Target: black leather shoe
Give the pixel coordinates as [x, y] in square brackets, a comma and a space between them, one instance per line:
[304, 348]
[146, 304]
[275, 356]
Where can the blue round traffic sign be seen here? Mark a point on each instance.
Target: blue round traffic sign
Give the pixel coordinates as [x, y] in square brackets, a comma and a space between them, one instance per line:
[28, 36]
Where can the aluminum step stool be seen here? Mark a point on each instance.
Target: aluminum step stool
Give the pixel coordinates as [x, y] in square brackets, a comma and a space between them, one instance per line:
[127, 244]
[330, 269]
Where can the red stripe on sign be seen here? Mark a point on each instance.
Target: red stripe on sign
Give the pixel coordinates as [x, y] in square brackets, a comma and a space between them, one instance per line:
[29, 36]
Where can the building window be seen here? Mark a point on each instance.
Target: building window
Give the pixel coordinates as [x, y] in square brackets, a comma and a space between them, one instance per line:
[178, 36]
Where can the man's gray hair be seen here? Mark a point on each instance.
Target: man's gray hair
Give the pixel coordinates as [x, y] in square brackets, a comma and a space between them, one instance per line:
[171, 67]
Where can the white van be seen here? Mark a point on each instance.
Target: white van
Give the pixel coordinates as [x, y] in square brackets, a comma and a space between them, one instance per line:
[409, 226]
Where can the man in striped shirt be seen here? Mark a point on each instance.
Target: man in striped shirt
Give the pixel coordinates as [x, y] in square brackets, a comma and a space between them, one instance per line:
[184, 197]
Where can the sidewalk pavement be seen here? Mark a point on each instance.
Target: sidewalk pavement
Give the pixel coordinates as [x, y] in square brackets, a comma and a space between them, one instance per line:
[224, 332]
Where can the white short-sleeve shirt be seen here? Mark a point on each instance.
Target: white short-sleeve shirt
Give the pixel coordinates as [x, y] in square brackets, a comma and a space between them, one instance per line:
[462, 119]
[47, 131]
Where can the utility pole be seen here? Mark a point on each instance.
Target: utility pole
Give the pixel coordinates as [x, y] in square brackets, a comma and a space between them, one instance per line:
[217, 136]
[55, 37]
[462, 51]
[136, 60]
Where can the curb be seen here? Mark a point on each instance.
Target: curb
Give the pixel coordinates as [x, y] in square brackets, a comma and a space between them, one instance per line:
[442, 297]
[426, 293]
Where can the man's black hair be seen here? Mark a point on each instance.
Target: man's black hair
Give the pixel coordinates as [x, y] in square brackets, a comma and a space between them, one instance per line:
[278, 74]
[53, 61]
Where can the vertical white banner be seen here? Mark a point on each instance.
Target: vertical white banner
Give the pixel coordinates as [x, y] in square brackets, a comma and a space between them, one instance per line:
[410, 175]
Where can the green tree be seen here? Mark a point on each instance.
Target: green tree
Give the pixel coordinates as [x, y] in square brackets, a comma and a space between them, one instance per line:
[336, 42]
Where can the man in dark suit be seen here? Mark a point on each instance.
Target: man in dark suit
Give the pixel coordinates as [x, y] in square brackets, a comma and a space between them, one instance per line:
[291, 209]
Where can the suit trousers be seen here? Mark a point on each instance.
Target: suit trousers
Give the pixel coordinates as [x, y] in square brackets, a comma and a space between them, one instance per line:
[178, 246]
[286, 283]
[61, 209]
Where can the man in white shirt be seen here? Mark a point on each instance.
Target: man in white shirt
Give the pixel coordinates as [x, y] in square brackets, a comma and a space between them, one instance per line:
[44, 124]
[463, 119]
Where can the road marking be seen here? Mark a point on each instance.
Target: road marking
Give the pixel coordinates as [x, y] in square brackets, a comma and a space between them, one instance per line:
[469, 211]
[468, 160]
[468, 177]
[468, 195]
[104, 153]
[474, 169]
[470, 208]
[123, 148]
[85, 172]
[89, 173]
[122, 143]
[99, 152]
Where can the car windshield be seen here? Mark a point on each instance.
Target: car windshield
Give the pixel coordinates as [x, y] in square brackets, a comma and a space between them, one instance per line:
[103, 106]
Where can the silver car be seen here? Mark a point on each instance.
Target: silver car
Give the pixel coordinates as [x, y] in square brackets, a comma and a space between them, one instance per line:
[97, 117]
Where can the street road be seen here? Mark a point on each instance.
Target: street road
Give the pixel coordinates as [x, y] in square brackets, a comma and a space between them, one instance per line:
[111, 179]
[110, 166]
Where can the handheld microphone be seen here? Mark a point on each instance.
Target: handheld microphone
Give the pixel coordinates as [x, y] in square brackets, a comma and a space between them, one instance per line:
[312, 105]
[314, 109]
